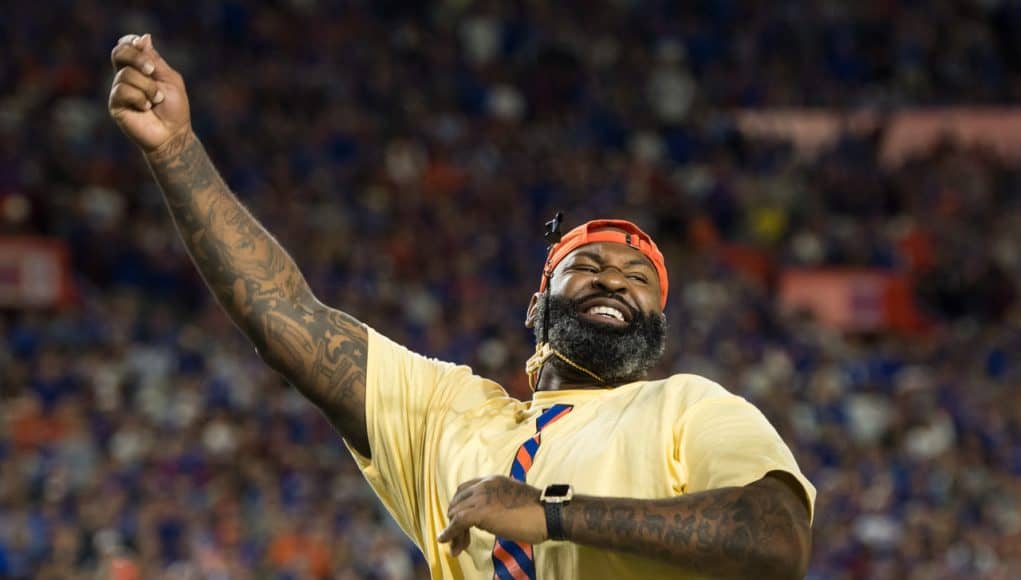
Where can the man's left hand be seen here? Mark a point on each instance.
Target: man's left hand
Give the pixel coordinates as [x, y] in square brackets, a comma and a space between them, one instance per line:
[499, 505]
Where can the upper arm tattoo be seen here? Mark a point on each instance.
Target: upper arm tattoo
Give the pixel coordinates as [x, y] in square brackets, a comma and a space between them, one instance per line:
[322, 351]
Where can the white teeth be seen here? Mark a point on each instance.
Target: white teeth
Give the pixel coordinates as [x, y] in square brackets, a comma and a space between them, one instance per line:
[607, 311]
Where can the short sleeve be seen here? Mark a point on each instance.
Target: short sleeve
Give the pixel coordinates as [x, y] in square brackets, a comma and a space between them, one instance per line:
[726, 441]
[399, 389]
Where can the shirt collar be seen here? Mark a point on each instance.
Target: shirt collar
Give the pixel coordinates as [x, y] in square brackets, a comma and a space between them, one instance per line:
[543, 399]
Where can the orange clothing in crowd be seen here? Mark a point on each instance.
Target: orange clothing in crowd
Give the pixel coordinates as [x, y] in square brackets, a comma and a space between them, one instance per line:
[297, 551]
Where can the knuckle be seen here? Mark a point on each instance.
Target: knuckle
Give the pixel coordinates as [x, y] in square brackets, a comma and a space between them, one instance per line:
[121, 52]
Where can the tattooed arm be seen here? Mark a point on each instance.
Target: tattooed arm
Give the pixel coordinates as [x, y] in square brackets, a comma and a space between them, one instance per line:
[320, 350]
[760, 530]
[757, 531]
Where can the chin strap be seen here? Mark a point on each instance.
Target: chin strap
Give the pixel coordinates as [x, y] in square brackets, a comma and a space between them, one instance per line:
[543, 352]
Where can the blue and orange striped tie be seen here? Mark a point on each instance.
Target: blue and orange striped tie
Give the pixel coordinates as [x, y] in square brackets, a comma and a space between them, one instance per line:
[515, 560]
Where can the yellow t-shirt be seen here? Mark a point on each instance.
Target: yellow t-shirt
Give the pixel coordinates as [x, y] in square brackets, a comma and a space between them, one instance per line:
[433, 425]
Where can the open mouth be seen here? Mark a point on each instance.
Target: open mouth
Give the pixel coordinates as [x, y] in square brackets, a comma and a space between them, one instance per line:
[606, 311]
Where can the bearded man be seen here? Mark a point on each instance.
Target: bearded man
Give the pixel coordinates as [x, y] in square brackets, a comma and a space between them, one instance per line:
[603, 474]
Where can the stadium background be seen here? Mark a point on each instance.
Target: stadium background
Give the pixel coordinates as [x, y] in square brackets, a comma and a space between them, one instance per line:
[407, 155]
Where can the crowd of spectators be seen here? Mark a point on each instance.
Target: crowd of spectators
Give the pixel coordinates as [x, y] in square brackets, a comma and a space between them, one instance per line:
[407, 154]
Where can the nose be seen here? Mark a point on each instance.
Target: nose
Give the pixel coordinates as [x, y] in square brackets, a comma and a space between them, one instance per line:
[610, 280]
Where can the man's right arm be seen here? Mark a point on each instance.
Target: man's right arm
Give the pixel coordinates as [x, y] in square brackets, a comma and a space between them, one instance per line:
[320, 350]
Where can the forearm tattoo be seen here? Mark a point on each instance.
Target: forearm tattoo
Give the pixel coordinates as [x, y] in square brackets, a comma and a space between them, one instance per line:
[756, 531]
[320, 350]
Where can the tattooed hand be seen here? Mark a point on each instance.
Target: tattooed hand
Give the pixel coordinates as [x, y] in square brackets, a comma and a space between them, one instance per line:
[500, 505]
[147, 100]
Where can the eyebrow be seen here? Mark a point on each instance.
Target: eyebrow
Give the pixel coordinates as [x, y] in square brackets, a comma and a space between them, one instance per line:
[643, 261]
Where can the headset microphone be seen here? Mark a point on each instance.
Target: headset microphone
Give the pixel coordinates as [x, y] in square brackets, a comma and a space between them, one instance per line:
[552, 237]
[543, 349]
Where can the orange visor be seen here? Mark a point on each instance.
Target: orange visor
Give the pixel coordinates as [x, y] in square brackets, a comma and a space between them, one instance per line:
[595, 231]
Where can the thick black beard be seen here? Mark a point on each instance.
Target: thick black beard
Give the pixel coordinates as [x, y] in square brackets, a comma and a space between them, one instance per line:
[618, 355]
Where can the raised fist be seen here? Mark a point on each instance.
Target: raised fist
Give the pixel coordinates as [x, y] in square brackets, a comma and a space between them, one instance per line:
[147, 99]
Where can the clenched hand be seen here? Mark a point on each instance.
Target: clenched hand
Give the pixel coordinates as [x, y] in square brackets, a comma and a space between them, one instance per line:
[147, 99]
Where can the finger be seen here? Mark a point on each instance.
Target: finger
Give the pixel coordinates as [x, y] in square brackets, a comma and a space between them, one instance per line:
[464, 491]
[455, 528]
[466, 485]
[469, 483]
[162, 70]
[461, 543]
[447, 534]
[130, 75]
[124, 96]
[125, 54]
[461, 497]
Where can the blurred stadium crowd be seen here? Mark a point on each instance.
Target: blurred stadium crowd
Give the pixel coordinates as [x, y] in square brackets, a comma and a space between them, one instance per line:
[407, 155]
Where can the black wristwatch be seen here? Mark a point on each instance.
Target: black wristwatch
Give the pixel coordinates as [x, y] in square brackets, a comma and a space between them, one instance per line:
[553, 500]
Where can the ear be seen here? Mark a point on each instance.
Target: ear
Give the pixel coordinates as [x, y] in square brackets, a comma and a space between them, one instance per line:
[533, 311]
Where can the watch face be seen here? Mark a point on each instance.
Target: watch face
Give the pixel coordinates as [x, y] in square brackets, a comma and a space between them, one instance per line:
[557, 492]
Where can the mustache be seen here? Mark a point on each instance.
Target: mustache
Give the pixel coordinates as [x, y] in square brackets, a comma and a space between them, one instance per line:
[635, 311]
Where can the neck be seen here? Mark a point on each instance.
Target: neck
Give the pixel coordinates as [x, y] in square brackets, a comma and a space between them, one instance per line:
[553, 378]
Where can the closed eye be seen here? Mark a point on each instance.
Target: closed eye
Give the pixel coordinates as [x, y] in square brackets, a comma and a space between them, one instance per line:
[638, 278]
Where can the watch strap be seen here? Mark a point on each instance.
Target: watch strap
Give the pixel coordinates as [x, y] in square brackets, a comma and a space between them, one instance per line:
[554, 520]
